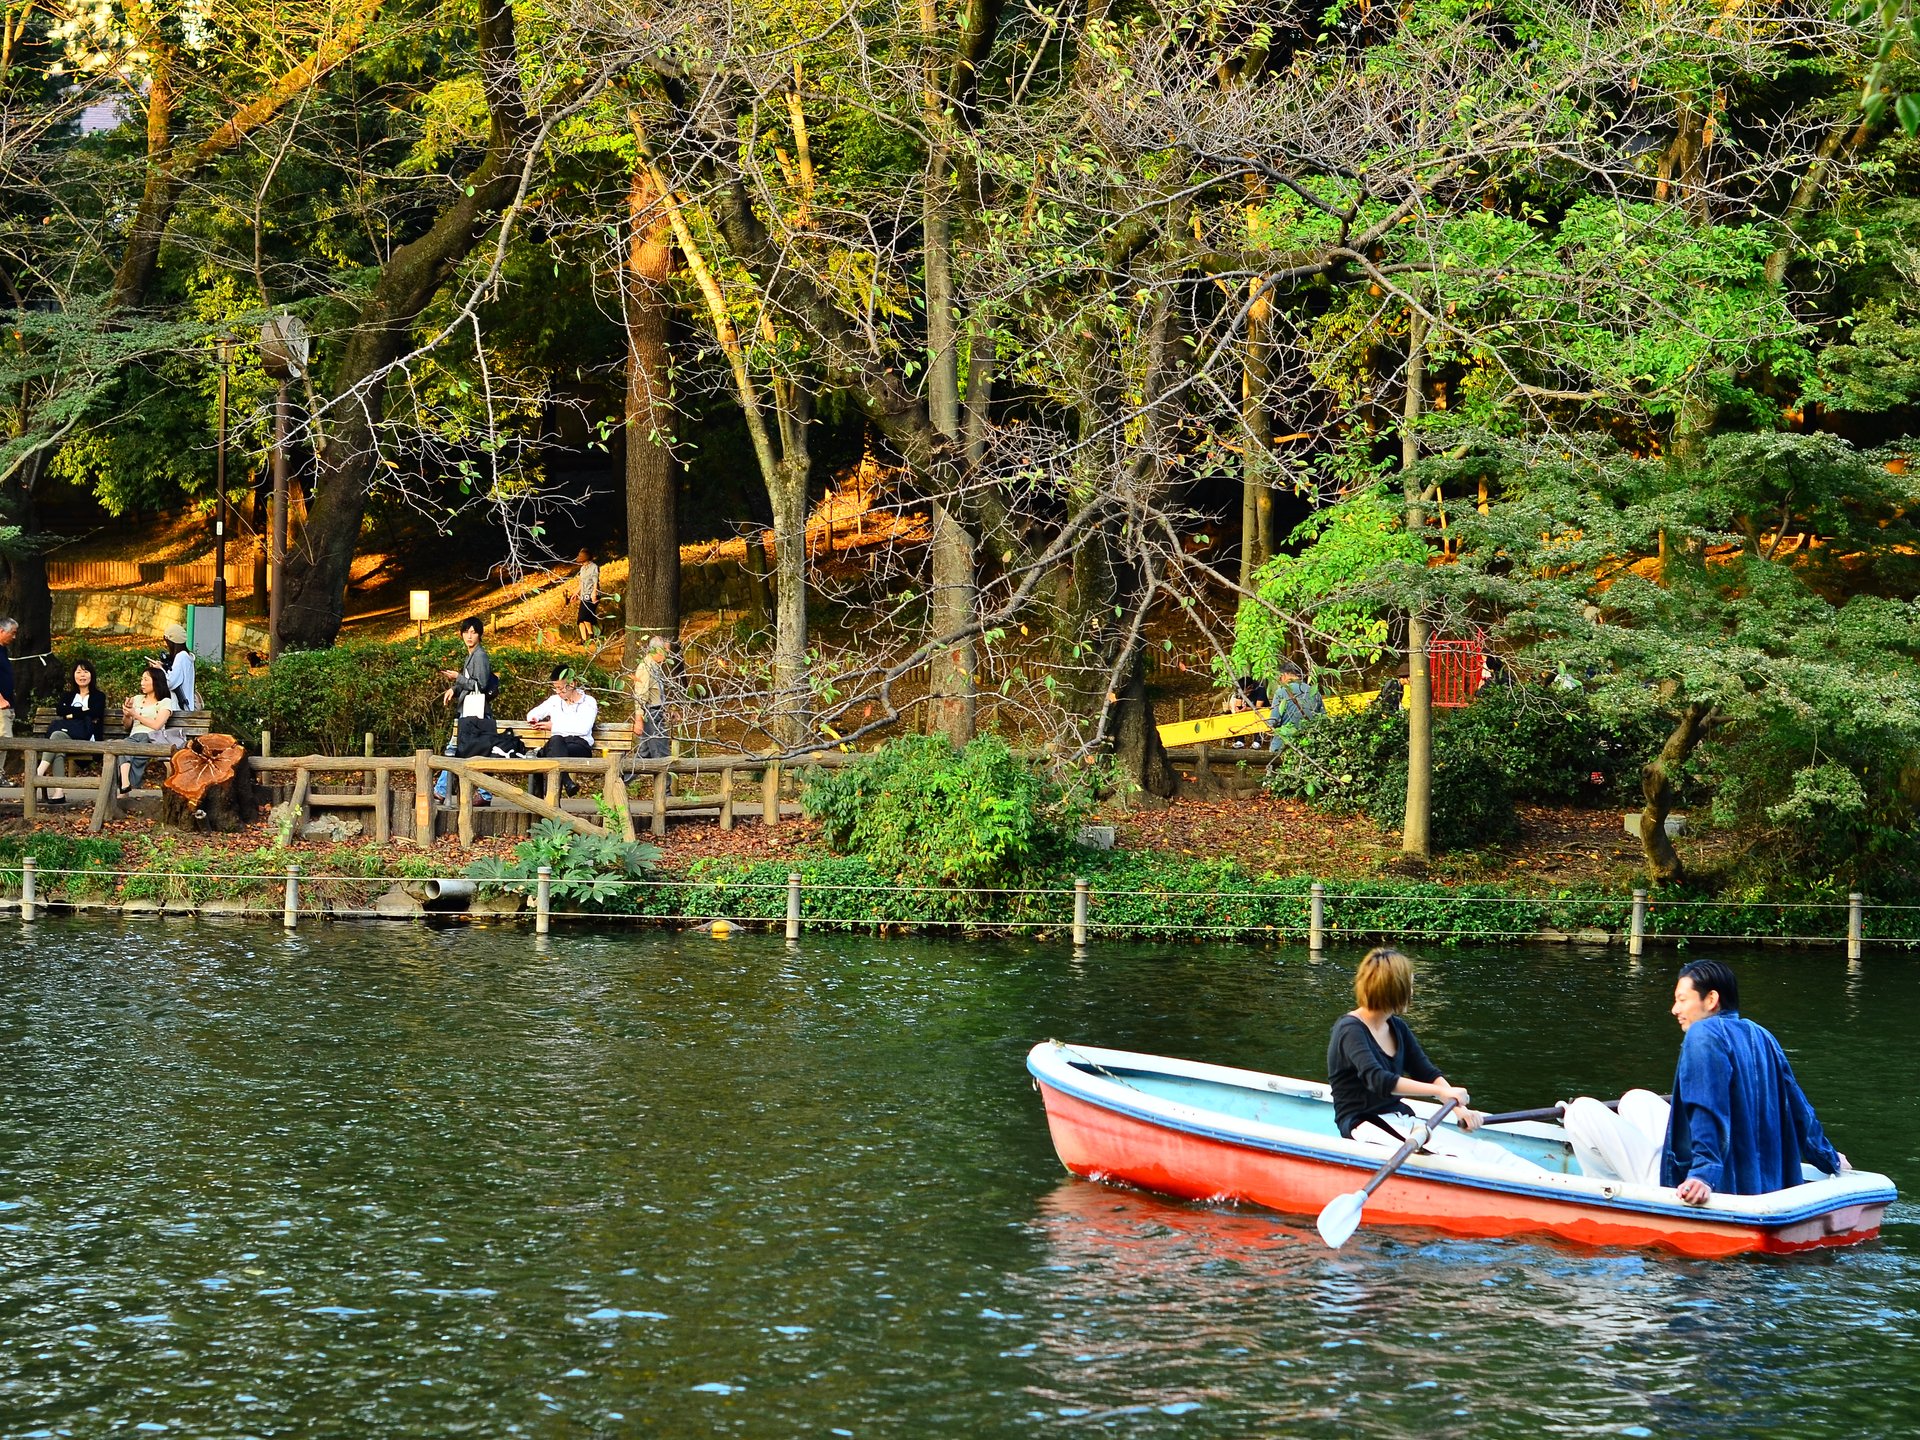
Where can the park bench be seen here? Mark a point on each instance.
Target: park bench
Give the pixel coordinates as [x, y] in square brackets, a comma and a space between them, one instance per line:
[610, 737]
[192, 722]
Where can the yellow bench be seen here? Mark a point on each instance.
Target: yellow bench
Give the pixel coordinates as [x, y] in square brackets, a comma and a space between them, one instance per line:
[1213, 727]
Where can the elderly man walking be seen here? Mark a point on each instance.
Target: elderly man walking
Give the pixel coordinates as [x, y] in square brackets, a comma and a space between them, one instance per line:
[650, 702]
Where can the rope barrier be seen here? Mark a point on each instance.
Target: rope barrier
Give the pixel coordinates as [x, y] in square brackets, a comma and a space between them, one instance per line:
[1278, 925]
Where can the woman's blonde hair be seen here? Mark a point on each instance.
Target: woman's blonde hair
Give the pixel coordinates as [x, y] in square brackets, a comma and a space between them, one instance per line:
[1384, 980]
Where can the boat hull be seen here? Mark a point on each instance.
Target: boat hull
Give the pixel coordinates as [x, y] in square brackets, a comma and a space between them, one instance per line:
[1103, 1143]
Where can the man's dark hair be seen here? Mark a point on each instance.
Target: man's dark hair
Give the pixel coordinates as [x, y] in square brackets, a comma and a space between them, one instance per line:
[561, 672]
[1707, 975]
[472, 622]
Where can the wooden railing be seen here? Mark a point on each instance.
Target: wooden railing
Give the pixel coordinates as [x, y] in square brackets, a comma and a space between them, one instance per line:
[512, 782]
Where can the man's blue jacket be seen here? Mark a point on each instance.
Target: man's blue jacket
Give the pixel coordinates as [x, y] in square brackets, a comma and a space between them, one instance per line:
[1740, 1121]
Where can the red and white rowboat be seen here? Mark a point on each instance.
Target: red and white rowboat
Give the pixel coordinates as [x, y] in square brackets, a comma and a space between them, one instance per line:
[1226, 1136]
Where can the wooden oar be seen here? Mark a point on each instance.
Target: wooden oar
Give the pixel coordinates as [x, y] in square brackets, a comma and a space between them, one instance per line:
[1342, 1216]
[1555, 1111]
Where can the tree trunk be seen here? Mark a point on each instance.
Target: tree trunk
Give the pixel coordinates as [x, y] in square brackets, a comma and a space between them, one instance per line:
[653, 531]
[24, 593]
[317, 569]
[1416, 828]
[950, 608]
[1664, 866]
[1256, 424]
[787, 489]
[1136, 739]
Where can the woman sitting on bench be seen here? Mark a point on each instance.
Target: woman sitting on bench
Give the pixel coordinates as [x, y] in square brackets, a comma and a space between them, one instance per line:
[82, 716]
[149, 722]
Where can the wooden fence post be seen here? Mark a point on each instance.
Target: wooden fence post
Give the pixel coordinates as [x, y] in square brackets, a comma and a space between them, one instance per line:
[1080, 914]
[29, 792]
[1637, 934]
[1856, 928]
[1316, 918]
[290, 910]
[543, 900]
[466, 810]
[423, 799]
[770, 794]
[382, 805]
[793, 907]
[27, 877]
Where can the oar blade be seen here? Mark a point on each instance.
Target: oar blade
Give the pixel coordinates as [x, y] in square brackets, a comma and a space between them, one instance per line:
[1341, 1218]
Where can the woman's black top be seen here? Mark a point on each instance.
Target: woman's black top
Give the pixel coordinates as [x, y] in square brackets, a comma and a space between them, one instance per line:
[83, 717]
[1363, 1075]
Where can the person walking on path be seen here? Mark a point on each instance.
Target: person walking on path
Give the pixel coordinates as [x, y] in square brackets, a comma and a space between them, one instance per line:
[178, 666]
[650, 701]
[81, 715]
[588, 588]
[9, 632]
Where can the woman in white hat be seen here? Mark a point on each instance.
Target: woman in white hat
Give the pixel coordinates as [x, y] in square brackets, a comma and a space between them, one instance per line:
[179, 668]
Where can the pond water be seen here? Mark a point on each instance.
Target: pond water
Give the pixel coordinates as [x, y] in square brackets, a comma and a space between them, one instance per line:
[408, 1182]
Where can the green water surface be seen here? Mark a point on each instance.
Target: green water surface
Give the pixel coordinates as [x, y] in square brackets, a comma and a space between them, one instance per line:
[408, 1182]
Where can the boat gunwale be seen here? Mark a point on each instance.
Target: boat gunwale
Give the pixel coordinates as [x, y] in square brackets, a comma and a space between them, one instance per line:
[1110, 1094]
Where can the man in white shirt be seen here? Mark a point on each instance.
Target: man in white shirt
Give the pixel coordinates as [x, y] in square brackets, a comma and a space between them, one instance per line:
[567, 716]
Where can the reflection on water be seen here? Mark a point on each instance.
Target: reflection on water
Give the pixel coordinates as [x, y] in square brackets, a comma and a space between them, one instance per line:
[407, 1183]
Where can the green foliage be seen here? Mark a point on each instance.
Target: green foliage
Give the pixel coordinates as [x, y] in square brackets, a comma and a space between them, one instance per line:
[1149, 896]
[589, 872]
[54, 853]
[1512, 743]
[1343, 550]
[921, 809]
[323, 702]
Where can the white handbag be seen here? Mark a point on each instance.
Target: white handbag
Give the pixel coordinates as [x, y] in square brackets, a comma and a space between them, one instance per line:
[473, 705]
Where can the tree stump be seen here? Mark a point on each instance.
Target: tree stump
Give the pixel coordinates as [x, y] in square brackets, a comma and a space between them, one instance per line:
[230, 805]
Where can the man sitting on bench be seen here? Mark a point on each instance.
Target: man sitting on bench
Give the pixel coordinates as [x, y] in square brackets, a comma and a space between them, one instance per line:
[568, 717]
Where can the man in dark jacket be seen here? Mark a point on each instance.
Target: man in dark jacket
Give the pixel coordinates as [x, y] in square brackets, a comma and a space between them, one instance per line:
[1740, 1124]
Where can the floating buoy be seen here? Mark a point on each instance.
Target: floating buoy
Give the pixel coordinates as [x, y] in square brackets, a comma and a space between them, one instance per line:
[720, 929]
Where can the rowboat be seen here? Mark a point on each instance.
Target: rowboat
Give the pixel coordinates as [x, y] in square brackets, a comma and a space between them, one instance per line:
[1220, 1135]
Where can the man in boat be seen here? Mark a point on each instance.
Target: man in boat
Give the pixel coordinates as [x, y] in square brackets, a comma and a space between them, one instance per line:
[1739, 1123]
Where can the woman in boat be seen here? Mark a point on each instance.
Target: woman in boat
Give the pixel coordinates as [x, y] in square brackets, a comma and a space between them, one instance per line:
[1373, 1059]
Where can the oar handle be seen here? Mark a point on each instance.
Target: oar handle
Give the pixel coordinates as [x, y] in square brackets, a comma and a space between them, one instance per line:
[1422, 1132]
[1548, 1112]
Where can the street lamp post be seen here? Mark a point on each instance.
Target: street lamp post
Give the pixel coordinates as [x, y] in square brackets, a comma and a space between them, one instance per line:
[284, 348]
[220, 483]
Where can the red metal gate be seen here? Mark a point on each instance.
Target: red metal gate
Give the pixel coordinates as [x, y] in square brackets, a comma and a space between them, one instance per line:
[1458, 667]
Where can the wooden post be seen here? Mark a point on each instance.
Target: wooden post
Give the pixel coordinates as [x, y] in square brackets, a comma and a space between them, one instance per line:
[290, 911]
[1637, 935]
[29, 792]
[543, 900]
[660, 802]
[27, 878]
[770, 794]
[369, 750]
[617, 797]
[103, 798]
[302, 788]
[423, 799]
[1080, 913]
[1856, 928]
[382, 805]
[1316, 918]
[466, 811]
[726, 798]
[793, 907]
[266, 744]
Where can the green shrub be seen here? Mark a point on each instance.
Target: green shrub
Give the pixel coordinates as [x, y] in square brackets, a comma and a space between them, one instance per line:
[1337, 761]
[324, 702]
[921, 809]
[589, 872]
